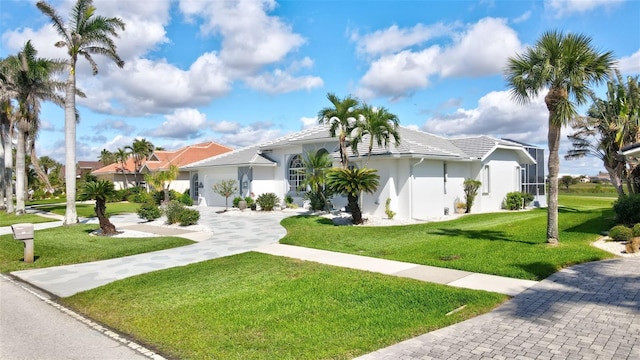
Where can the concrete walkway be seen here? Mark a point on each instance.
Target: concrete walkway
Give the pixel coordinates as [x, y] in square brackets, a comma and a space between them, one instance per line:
[233, 234]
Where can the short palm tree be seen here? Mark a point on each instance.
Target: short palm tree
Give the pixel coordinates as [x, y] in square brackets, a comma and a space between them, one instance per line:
[316, 165]
[352, 182]
[563, 65]
[379, 124]
[100, 191]
[86, 34]
[341, 119]
[161, 180]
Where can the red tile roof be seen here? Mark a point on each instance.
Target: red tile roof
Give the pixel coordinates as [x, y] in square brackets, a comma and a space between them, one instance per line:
[160, 160]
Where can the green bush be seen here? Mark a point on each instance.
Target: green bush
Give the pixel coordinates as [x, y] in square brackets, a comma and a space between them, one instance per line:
[149, 211]
[236, 201]
[513, 201]
[288, 199]
[627, 209]
[620, 233]
[173, 211]
[249, 201]
[267, 201]
[387, 209]
[189, 217]
[528, 198]
[635, 230]
[317, 200]
[141, 198]
[158, 196]
[186, 199]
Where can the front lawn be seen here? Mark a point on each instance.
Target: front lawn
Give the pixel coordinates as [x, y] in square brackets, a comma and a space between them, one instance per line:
[507, 243]
[87, 210]
[73, 244]
[11, 219]
[257, 306]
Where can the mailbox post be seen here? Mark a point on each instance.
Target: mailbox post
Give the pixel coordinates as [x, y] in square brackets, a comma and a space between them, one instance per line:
[24, 233]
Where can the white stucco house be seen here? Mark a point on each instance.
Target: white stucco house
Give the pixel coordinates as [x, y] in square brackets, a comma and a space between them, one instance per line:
[423, 176]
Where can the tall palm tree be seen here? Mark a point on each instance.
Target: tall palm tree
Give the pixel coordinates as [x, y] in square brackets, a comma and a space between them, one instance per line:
[379, 124]
[32, 83]
[106, 157]
[121, 156]
[610, 124]
[341, 119]
[85, 34]
[6, 130]
[353, 182]
[563, 65]
[141, 149]
[316, 165]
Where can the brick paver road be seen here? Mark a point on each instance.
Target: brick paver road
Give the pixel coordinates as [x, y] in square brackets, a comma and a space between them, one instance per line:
[588, 311]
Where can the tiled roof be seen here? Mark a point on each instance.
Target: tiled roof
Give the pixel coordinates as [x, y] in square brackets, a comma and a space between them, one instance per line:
[247, 156]
[478, 147]
[161, 160]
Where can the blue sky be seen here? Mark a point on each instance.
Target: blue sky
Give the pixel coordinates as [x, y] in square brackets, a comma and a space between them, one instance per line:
[242, 72]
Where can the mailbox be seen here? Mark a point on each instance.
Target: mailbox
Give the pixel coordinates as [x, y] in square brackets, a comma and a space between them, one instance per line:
[24, 233]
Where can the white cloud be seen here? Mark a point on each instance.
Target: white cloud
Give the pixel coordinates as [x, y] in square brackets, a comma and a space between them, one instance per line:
[567, 7]
[522, 18]
[395, 39]
[225, 127]
[183, 123]
[253, 134]
[630, 64]
[308, 122]
[281, 82]
[481, 50]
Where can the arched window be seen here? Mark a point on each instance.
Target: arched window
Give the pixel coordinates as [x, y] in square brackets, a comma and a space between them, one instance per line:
[296, 172]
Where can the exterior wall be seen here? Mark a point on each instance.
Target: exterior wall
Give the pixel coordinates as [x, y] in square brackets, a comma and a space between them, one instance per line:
[504, 177]
[427, 187]
[211, 176]
[456, 174]
[181, 183]
[118, 180]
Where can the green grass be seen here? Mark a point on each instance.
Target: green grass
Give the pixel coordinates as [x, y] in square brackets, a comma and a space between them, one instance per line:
[10, 219]
[86, 210]
[257, 306]
[509, 244]
[60, 200]
[73, 244]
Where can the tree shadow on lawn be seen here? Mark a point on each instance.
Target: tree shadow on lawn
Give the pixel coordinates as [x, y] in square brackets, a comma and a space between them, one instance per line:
[540, 269]
[490, 235]
[603, 221]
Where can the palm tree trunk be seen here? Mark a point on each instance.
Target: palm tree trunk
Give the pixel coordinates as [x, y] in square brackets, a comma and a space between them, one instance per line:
[554, 167]
[38, 169]
[354, 209]
[615, 176]
[70, 216]
[3, 184]
[8, 167]
[105, 225]
[20, 168]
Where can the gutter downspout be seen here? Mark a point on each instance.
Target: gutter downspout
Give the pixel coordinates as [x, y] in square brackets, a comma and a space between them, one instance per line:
[411, 187]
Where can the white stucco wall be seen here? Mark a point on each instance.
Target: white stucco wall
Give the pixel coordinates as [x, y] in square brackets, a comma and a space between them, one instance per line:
[504, 177]
[427, 189]
[457, 173]
[212, 176]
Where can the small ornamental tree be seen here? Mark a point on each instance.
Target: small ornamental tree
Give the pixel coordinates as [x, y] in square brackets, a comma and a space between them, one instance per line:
[99, 191]
[226, 188]
[470, 192]
[353, 182]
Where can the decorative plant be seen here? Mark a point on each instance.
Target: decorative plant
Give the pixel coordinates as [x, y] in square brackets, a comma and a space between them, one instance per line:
[99, 191]
[226, 188]
[353, 182]
[387, 209]
[470, 192]
[149, 211]
[267, 201]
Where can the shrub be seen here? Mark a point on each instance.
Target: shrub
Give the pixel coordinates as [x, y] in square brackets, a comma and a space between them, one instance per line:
[173, 211]
[513, 201]
[149, 211]
[635, 230]
[288, 199]
[470, 192]
[158, 196]
[236, 201]
[627, 209]
[317, 200]
[267, 201]
[186, 199]
[249, 200]
[528, 198]
[387, 209]
[141, 198]
[189, 217]
[620, 233]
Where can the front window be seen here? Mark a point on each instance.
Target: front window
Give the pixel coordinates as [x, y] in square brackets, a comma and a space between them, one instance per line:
[486, 180]
[296, 172]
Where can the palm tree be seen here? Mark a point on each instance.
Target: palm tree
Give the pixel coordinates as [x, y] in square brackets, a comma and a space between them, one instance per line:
[99, 191]
[85, 34]
[352, 182]
[563, 65]
[161, 180]
[107, 157]
[379, 124]
[6, 131]
[341, 119]
[316, 165]
[121, 156]
[141, 149]
[31, 79]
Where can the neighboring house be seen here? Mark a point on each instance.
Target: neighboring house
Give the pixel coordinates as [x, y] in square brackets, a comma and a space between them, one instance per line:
[83, 168]
[161, 160]
[632, 152]
[423, 176]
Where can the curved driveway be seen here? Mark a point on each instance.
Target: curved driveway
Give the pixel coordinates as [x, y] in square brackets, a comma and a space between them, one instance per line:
[230, 235]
